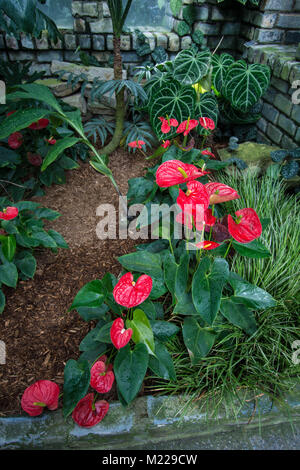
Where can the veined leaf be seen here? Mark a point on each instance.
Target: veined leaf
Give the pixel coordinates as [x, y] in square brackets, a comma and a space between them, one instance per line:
[206, 106]
[239, 315]
[57, 149]
[220, 66]
[197, 340]
[190, 66]
[21, 119]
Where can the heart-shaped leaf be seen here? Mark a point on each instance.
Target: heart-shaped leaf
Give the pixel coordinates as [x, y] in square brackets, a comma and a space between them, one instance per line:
[197, 340]
[76, 384]
[142, 331]
[239, 315]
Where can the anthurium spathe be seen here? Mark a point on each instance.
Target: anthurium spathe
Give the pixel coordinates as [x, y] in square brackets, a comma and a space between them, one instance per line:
[175, 172]
[15, 140]
[219, 192]
[102, 376]
[208, 154]
[207, 245]
[136, 144]
[40, 124]
[9, 213]
[87, 413]
[207, 123]
[196, 194]
[129, 293]
[166, 144]
[246, 227]
[119, 335]
[186, 126]
[40, 395]
[166, 124]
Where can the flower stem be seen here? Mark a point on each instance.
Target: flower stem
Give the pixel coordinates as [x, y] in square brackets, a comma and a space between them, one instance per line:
[228, 248]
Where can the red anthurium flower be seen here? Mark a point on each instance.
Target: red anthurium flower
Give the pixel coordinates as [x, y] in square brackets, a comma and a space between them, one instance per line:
[9, 213]
[187, 126]
[196, 217]
[166, 144]
[208, 153]
[246, 227]
[15, 140]
[219, 192]
[207, 245]
[39, 395]
[51, 141]
[166, 124]
[129, 293]
[119, 336]
[40, 124]
[209, 218]
[175, 172]
[34, 158]
[87, 413]
[207, 123]
[136, 144]
[196, 195]
[10, 113]
[102, 376]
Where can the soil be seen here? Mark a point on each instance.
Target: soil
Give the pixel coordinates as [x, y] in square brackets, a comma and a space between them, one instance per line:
[39, 332]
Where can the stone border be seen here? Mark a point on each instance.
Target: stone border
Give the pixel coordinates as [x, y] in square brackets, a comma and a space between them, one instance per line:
[148, 421]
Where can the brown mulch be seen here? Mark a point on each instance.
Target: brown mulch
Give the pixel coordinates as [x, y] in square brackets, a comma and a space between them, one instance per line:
[39, 332]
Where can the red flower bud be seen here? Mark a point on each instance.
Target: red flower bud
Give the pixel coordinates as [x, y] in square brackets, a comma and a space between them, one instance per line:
[136, 144]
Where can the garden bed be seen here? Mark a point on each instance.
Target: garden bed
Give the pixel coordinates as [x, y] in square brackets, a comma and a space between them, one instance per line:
[39, 332]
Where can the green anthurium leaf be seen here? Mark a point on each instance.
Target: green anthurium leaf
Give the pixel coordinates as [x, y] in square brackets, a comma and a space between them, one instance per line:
[182, 274]
[220, 66]
[57, 149]
[8, 245]
[207, 287]
[91, 295]
[92, 313]
[142, 331]
[185, 305]
[43, 238]
[170, 269]
[250, 295]
[103, 335]
[244, 84]
[90, 341]
[173, 100]
[2, 301]
[197, 340]
[254, 249]
[93, 354]
[58, 238]
[142, 262]
[26, 264]
[76, 384]
[163, 331]
[139, 190]
[162, 365]
[190, 66]
[239, 315]
[149, 308]
[130, 367]
[9, 274]
[9, 158]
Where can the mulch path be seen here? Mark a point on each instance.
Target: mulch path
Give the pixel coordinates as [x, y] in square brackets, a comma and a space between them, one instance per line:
[39, 332]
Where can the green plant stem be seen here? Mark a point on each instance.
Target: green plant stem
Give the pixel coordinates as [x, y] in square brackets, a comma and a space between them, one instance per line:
[212, 212]
[228, 248]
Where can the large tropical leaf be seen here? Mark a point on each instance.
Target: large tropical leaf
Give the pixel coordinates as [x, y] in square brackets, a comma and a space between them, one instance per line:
[190, 66]
[229, 114]
[220, 66]
[245, 84]
[20, 120]
[171, 100]
[154, 84]
[207, 106]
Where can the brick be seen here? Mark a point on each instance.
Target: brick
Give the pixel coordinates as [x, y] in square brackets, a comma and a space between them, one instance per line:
[230, 28]
[262, 139]
[269, 95]
[42, 43]
[84, 41]
[297, 138]
[280, 5]
[262, 125]
[161, 40]
[295, 73]
[268, 36]
[186, 42]
[105, 10]
[27, 42]
[151, 40]
[77, 8]
[296, 113]
[265, 20]
[130, 57]
[201, 12]
[292, 37]
[48, 56]
[280, 85]
[21, 55]
[173, 42]
[270, 113]
[224, 14]
[102, 26]
[57, 45]
[70, 41]
[291, 21]
[12, 43]
[70, 56]
[2, 45]
[90, 9]
[283, 103]
[288, 143]
[98, 42]
[274, 133]
[40, 68]
[206, 28]
[297, 5]
[287, 125]
[79, 25]
[110, 42]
